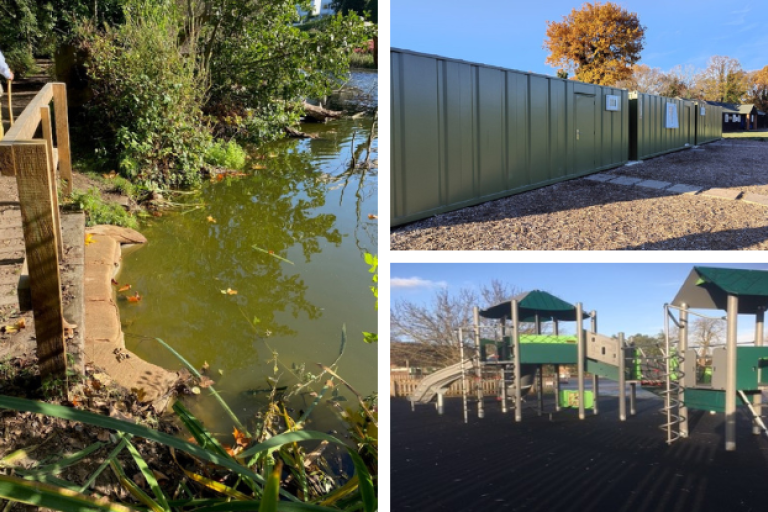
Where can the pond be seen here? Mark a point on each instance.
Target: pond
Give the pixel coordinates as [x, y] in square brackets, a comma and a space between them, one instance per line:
[289, 238]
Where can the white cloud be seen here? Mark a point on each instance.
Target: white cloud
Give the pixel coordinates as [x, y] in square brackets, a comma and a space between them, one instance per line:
[415, 282]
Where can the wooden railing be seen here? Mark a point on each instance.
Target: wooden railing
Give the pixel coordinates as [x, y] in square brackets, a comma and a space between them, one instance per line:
[34, 162]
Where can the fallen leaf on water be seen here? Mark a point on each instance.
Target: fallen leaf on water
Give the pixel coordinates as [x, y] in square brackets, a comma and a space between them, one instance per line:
[124, 288]
[157, 214]
[372, 216]
[206, 381]
[195, 390]
[115, 283]
[206, 366]
[219, 177]
[240, 437]
[89, 239]
[221, 372]
[134, 298]
[211, 219]
[229, 291]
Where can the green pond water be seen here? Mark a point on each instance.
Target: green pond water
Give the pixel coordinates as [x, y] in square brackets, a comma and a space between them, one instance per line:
[306, 207]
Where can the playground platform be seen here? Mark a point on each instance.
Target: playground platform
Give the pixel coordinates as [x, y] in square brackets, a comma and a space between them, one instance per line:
[559, 463]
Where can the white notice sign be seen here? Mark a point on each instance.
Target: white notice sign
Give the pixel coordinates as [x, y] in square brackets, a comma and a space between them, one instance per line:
[671, 119]
[703, 110]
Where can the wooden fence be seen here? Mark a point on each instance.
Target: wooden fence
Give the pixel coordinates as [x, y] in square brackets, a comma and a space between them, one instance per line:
[32, 151]
[403, 386]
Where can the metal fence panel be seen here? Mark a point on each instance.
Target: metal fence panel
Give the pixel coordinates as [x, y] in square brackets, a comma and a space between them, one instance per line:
[709, 127]
[649, 134]
[464, 133]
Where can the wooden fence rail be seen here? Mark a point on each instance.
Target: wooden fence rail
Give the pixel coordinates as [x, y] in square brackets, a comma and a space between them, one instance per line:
[34, 162]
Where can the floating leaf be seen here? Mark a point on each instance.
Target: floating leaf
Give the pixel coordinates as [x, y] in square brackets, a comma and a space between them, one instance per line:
[211, 220]
[205, 366]
[372, 216]
[221, 372]
[124, 288]
[206, 381]
[134, 298]
[115, 283]
[229, 291]
[195, 390]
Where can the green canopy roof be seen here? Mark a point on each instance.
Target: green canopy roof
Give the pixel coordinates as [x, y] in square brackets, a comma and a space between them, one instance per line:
[530, 304]
[708, 288]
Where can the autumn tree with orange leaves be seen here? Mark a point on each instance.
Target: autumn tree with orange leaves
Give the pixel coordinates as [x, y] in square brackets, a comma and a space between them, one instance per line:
[758, 89]
[599, 43]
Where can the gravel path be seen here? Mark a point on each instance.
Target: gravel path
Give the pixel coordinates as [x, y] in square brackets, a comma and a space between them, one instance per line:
[586, 215]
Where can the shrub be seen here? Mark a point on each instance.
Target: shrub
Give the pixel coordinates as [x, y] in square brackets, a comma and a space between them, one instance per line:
[146, 96]
[99, 212]
[226, 154]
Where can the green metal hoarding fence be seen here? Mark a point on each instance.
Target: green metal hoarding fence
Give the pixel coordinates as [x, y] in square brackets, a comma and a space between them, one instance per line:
[709, 123]
[464, 133]
[659, 125]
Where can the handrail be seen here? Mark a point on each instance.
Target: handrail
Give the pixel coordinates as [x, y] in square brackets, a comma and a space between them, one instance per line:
[27, 124]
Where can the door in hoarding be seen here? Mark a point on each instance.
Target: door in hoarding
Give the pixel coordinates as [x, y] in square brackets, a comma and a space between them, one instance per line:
[585, 132]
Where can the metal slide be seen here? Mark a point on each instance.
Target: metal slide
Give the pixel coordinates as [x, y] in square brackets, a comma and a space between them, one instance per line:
[431, 384]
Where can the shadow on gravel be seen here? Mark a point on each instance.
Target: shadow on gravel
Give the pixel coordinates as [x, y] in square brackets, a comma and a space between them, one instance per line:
[563, 464]
[569, 195]
[728, 240]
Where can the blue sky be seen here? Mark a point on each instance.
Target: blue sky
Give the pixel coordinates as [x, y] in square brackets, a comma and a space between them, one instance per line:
[627, 297]
[511, 34]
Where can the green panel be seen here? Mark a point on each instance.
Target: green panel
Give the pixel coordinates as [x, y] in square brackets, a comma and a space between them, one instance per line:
[490, 122]
[570, 398]
[465, 133]
[539, 131]
[418, 142]
[709, 127]
[548, 353]
[607, 371]
[457, 88]
[749, 360]
[586, 153]
[705, 399]
[739, 282]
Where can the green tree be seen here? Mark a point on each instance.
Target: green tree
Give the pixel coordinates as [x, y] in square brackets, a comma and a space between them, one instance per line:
[599, 42]
[367, 8]
[723, 80]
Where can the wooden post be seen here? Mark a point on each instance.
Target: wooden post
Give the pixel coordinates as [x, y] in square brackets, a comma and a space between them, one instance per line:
[33, 180]
[62, 133]
[45, 120]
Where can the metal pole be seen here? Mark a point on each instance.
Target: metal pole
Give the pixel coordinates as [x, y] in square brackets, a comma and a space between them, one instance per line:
[668, 375]
[538, 324]
[595, 393]
[516, 350]
[440, 402]
[580, 357]
[540, 389]
[556, 327]
[757, 398]
[622, 380]
[632, 397]
[593, 320]
[480, 412]
[463, 376]
[557, 387]
[730, 374]
[503, 384]
[682, 367]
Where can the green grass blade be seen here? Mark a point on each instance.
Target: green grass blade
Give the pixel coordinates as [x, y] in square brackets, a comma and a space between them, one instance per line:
[149, 476]
[201, 435]
[114, 453]
[58, 411]
[282, 506]
[367, 488]
[134, 489]
[48, 496]
[211, 388]
[60, 465]
[271, 254]
[271, 497]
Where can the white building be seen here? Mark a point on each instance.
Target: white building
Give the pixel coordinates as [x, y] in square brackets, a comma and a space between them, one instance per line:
[319, 8]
